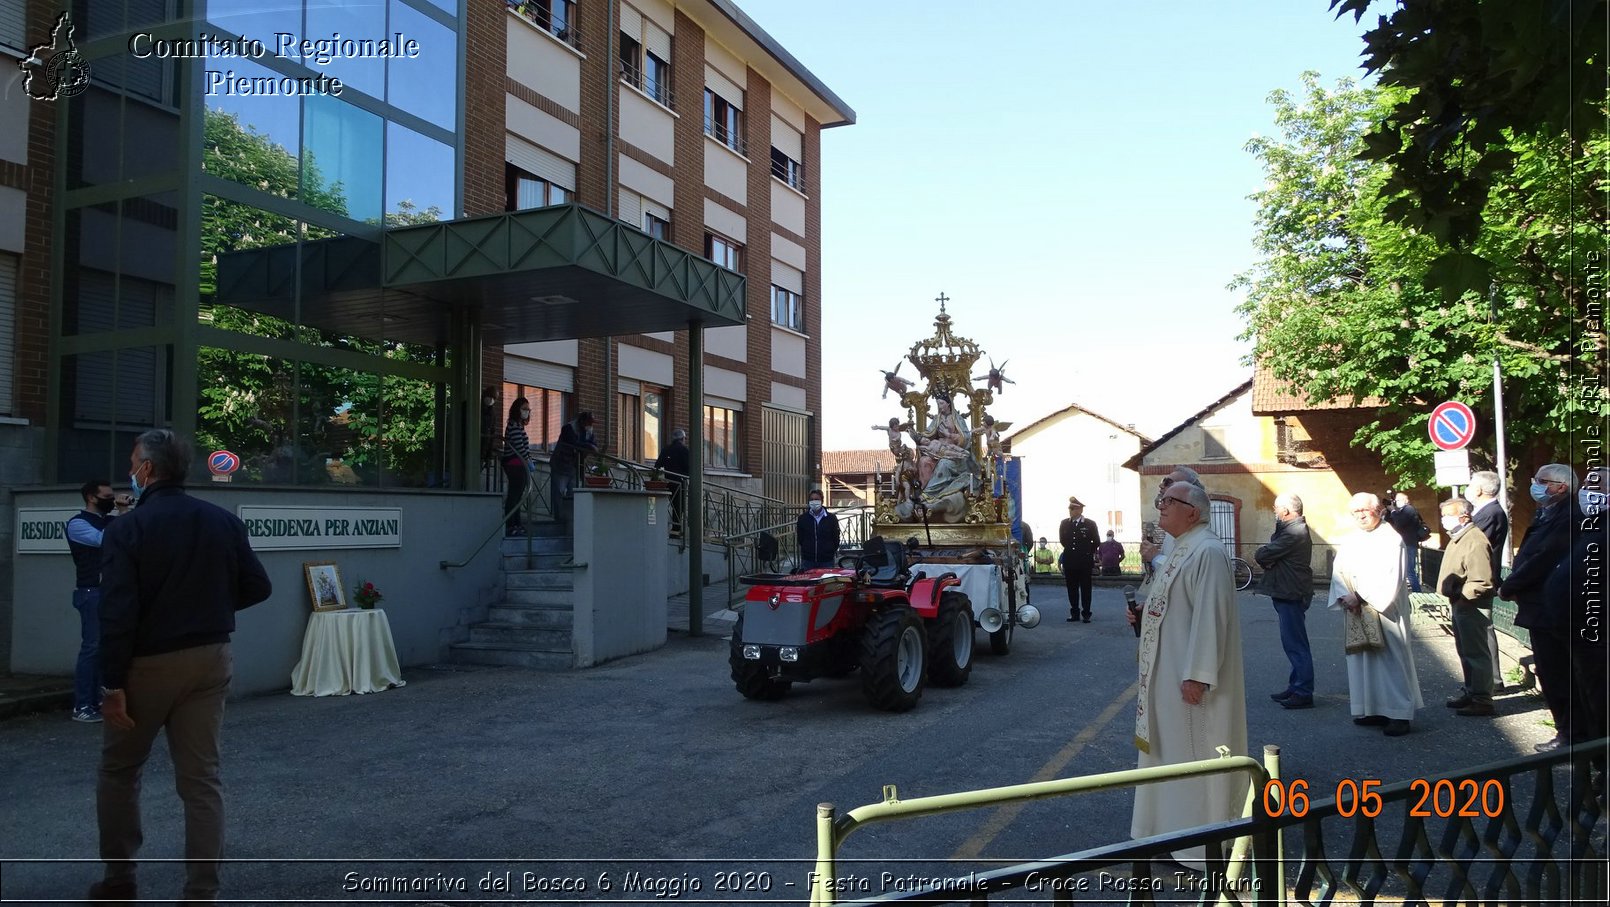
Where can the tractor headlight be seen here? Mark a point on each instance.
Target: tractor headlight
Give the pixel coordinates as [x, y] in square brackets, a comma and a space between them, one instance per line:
[1028, 617]
[788, 653]
[751, 653]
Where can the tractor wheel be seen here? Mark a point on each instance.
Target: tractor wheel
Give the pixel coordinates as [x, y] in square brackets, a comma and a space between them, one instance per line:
[893, 659]
[950, 641]
[752, 678]
[1000, 642]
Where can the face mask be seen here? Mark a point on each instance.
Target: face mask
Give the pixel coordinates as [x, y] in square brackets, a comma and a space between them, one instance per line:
[104, 505]
[1450, 524]
[816, 506]
[1592, 501]
[1540, 492]
[486, 401]
[134, 483]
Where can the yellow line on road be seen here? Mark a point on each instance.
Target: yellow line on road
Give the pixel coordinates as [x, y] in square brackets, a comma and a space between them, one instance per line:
[1005, 815]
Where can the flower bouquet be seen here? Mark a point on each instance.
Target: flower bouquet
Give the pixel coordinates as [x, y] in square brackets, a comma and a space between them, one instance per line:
[367, 596]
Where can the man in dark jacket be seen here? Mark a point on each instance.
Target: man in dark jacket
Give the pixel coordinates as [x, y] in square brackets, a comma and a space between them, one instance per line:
[1288, 580]
[173, 574]
[1490, 518]
[1545, 544]
[576, 440]
[1466, 579]
[818, 533]
[1406, 520]
[676, 461]
[1576, 588]
[1080, 539]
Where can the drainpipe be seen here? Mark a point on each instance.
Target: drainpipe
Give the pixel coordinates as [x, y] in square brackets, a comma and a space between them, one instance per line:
[693, 523]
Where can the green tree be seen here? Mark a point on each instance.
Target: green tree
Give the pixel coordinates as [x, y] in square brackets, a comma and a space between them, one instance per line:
[1341, 303]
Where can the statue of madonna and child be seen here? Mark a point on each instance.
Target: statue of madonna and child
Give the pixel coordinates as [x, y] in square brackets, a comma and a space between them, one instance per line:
[946, 468]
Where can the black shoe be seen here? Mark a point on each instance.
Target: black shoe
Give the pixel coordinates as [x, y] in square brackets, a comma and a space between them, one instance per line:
[1549, 746]
[1397, 727]
[107, 891]
[1459, 702]
[1477, 709]
[1281, 696]
[1297, 702]
[1372, 721]
[1073, 620]
[1087, 618]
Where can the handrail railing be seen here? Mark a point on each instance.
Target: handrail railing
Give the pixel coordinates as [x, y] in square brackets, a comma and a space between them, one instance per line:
[533, 501]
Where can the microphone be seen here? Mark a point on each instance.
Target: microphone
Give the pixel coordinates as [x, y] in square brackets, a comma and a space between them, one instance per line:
[1134, 606]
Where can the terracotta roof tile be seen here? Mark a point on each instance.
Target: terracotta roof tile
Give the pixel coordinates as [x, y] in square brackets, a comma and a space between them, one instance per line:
[856, 462]
[1273, 397]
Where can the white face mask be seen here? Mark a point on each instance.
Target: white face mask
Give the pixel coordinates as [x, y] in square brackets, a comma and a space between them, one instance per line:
[816, 506]
[1451, 523]
[1592, 501]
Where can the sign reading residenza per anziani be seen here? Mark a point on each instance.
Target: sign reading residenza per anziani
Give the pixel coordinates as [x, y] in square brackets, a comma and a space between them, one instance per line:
[290, 528]
[43, 530]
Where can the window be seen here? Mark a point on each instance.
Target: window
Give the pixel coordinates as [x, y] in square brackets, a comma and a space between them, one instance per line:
[1213, 444]
[653, 423]
[1115, 521]
[557, 17]
[656, 226]
[720, 438]
[524, 190]
[723, 122]
[645, 70]
[723, 251]
[629, 416]
[788, 170]
[549, 412]
[787, 308]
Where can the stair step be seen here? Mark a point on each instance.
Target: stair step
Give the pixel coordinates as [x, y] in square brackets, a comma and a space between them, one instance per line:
[538, 544]
[538, 579]
[551, 597]
[547, 639]
[552, 561]
[522, 615]
[512, 656]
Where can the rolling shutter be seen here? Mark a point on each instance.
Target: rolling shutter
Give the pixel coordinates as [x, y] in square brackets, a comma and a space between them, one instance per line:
[11, 24]
[537, 373]
[723, 86]
[540, 162]
[656, 40]
[631, 208]
[786, 138]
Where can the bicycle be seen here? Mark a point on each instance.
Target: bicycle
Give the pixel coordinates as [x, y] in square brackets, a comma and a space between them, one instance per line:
[1242, 573]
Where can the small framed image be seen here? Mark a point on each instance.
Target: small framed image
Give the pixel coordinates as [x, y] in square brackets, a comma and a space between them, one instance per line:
[324, 586]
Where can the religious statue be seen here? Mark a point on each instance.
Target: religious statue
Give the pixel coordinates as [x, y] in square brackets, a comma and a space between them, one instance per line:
[893, 382]
[993, 378]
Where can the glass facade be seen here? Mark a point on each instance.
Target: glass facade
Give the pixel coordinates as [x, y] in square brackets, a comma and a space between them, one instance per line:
[229, 286]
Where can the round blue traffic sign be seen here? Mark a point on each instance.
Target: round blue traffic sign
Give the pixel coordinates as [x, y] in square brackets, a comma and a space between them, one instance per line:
[1452, 425]
[222, 462]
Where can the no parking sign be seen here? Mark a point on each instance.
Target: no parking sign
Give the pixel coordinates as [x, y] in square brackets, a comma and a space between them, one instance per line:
[1452, 425]
[221, 463]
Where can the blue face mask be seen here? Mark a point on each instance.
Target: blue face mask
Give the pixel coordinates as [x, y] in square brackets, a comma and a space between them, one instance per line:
[1540, 492]
[134, 484]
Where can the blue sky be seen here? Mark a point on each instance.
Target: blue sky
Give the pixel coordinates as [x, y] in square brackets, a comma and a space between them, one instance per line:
[1071, 174]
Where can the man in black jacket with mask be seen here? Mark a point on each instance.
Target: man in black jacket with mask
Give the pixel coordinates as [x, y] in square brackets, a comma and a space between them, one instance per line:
[1545, 544]
[173, 574]
[1288, 580]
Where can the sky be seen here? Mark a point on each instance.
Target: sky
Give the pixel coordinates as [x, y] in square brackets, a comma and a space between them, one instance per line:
[1072, 174]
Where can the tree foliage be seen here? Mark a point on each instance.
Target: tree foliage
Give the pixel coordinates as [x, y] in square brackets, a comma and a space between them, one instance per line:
[1342, 305]
[285, 418]
[1477, 74]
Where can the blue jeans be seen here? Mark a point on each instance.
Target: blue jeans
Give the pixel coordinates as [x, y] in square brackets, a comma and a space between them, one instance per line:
[1294, 639]
[1410, 555]
[87, 674]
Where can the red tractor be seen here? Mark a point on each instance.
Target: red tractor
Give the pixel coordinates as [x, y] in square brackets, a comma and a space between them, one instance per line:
[900, 630]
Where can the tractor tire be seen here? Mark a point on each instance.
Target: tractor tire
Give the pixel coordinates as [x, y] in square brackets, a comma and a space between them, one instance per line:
[893, 659]
[950, 641]
[752, 678]
[1000, 642]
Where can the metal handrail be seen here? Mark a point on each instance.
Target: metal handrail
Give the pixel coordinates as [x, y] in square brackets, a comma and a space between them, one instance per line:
[541, 18]
[638, 79]
[534, 495]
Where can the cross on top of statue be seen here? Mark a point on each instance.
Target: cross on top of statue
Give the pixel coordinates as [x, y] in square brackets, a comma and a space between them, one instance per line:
[941, 299]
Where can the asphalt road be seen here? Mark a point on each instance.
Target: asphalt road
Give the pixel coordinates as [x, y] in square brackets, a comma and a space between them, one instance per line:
[654, 765]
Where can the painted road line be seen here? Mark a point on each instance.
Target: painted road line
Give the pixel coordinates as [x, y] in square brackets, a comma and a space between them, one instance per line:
[1006, 815]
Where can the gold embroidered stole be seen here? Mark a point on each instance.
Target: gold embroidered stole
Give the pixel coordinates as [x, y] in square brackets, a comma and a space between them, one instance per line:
[1151, 634]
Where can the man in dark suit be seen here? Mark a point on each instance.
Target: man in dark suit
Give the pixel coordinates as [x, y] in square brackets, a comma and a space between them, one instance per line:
[1080, 539]
[173, 574]
[576, 439]
[1546, 543]
[1407, 521]
[1576, 589]
[676, 461]
[1493, 522]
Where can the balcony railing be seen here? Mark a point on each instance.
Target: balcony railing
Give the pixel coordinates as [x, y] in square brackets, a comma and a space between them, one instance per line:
[535, 13]
[656, 89]
[718, 130]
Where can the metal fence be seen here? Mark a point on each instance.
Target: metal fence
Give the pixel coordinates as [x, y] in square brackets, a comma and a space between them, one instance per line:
[1522, 831]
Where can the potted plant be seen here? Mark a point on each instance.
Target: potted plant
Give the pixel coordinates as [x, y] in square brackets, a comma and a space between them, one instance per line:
[367, 596]
[656, 481]
[595, 474]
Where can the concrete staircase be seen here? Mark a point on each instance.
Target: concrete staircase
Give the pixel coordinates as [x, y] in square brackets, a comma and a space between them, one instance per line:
[531, 627]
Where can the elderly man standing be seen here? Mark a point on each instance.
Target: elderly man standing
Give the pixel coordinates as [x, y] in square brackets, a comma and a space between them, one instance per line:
[1288, 580]
[1192, 694]
[173, 574]
[1546, 543]
[1152, 554]
[1576, 588]
[1488, 515]
[1382, 685]
[1466, 579]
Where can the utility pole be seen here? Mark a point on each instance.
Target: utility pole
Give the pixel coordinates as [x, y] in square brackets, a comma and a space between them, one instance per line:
[1498, 423]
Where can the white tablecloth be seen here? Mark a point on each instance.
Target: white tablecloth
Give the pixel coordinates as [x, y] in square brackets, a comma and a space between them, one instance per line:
[346, 652]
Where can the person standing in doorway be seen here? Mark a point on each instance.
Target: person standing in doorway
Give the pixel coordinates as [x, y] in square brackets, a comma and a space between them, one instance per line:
[817, 532]
[1288, 580]
[173, 574]
[84, 541]
[517, 465]
[1080, 538]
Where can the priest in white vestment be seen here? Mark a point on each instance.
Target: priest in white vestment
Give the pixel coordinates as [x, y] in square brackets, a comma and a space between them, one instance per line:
[1382, 685]
[1192, 694]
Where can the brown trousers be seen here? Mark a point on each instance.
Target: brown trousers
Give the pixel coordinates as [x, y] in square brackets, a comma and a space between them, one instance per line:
[183, 694]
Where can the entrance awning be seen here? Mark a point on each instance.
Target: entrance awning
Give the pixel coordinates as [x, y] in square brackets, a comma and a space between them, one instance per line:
[553, 273]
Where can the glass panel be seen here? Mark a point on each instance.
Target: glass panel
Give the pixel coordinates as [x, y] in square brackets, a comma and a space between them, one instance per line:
[248, 405]
[335, 405]
[148, 250]
[258, 19]
[449, 5]
[93, 138]
[252, 140]
[653, 411]
[332, 27]
[89, 273]
[424, 85]
[107, 399]
[339, 149]
[96, 19]
[419, 178]
[247, 269]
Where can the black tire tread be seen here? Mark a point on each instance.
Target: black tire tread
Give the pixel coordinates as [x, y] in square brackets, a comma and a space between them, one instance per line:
[880, 642]
[943, 671]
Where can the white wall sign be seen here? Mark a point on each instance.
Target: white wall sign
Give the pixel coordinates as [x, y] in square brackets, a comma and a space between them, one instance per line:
[293, 528]
[1452, 467]
[43, 530]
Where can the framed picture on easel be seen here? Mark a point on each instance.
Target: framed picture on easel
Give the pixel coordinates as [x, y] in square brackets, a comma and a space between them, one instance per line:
[324, 586]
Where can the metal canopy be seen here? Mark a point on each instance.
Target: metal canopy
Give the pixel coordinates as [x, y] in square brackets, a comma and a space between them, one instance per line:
[553, 273]
[561, 272]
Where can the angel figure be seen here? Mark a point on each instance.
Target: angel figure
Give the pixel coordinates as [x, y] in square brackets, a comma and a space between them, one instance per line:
[893, 382]
[996, 375]
[991, 435]
[896, 446]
